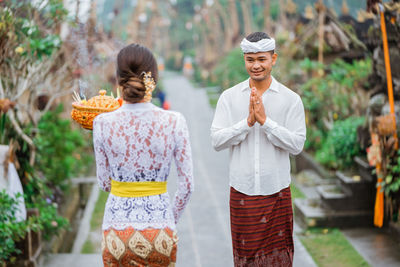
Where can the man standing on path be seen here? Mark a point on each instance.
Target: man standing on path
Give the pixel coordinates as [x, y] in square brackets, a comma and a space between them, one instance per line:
[261, 122]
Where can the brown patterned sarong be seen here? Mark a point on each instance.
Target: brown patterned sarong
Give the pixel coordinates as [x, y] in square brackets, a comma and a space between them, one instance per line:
[130, 247]
[262, 229]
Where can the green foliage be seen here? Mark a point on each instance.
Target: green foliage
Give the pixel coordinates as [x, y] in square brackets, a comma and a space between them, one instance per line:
[39, 195]
[296, 192]
[49, 221]
[55, 12]
[391, 183]
[9, 227]
[332, 96]
[340, 146]
[274, 10]
[60, 155]
[231, 70]
[31, 39]
[4, 128]
[11, 230]
[174, 62]
[59, 149]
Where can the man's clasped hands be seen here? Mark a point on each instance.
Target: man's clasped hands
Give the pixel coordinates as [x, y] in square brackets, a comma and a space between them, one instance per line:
[256, 109]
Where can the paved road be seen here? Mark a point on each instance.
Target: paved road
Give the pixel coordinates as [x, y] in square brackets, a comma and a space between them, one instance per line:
[204, 230]
[204, 233]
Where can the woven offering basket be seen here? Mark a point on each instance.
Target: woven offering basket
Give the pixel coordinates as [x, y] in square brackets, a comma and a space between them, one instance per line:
[84, 112]
[386, 125]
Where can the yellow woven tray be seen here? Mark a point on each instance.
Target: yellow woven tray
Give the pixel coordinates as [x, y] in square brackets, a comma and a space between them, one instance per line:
[84, 112]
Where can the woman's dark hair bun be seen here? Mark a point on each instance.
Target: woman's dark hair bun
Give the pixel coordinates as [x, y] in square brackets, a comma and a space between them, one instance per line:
[132, 62]
[133, 89]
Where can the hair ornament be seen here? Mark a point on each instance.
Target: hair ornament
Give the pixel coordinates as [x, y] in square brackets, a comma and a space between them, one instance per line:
[149, 84]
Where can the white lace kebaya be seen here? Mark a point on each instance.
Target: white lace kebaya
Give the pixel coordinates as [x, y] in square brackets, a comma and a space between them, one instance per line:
[137, 143]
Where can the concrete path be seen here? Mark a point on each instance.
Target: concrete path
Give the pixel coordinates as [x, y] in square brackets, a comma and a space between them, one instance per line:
[73, 260]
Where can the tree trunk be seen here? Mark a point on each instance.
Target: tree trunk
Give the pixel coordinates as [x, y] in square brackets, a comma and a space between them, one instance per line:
[212, 33]
[135, 23]
[282, 14]
[154, 21]
[207, 50]
[247, 16]
[217, 37]
[78, 2]
[227, 29]
[91, 25]
[321, 18]
[267, 17]
[234, 20]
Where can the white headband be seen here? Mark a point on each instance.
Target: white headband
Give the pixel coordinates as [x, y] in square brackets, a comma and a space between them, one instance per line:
[264, 45]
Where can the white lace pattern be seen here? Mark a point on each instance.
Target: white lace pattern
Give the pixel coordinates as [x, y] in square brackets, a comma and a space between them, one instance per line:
[137, 143]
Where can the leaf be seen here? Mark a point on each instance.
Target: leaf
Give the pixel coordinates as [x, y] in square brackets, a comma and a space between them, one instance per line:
[388, 179]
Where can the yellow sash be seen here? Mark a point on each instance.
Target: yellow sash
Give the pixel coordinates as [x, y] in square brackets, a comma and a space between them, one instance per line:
[137, 189]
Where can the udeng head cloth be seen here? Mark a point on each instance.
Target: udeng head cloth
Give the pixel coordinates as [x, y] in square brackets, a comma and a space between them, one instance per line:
[264, 45]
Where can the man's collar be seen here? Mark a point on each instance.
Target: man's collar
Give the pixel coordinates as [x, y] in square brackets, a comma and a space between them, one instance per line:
[274, 86]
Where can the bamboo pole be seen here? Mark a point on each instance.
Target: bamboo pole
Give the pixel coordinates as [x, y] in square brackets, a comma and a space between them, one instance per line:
[388, 73]
[379, 201]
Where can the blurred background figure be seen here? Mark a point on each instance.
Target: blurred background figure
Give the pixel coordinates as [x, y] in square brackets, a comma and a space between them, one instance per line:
[187, 66]
[161, 66]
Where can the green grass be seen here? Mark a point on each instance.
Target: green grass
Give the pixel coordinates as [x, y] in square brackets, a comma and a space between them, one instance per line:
[296, 193]
[329, 248]
[97, 216]
[88, 247]
[213, 98]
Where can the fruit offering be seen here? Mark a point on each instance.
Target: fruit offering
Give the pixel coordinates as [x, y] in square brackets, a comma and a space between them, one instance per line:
[84, 111]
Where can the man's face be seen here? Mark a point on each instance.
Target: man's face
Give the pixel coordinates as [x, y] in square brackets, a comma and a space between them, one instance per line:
[259, 65]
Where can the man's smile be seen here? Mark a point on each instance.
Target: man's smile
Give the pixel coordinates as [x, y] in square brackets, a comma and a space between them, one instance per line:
[257, 72]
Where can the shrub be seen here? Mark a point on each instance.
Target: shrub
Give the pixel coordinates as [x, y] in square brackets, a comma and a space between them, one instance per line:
[231, 69]
[391, 186]
[340, 146]
[60, 149]
[391, 183]
[333, 96]
[11, 231]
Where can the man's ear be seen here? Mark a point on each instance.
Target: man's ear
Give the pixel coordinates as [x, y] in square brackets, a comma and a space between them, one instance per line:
[274, 58]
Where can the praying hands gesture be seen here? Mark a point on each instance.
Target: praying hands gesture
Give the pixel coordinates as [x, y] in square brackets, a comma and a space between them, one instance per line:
[256, 109]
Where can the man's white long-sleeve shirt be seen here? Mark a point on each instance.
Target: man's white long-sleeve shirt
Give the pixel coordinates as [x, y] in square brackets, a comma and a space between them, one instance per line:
[259, 155]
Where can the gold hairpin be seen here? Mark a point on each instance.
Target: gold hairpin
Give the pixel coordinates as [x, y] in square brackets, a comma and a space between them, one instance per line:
[149, 84]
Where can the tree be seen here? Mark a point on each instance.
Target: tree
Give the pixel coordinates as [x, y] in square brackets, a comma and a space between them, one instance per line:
[33, 61]
[267, 16]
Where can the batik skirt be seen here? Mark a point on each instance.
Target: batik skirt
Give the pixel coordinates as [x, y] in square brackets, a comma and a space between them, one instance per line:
[262, 229]
[139, 248]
